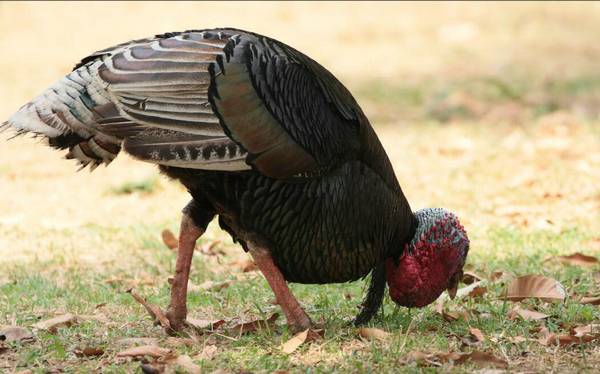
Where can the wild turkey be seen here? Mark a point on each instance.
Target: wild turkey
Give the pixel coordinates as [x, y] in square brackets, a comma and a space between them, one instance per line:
[269, 141]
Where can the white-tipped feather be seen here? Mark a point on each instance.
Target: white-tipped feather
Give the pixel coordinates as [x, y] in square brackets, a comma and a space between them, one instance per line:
[27, 119]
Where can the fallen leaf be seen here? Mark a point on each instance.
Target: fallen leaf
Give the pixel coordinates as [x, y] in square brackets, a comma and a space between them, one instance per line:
[526, 314]
[470, 277]
[208, 353]
[136, 341]
[477, 292]
[476, 334]
[93, 317]
[154, 310]
[175, 341]
[209, 286]
[483, 359]
[590, 300]
[185, 362]
[518, 339]
[472, 290]
[89, 352]
[535, 286]
[209, 248]
[244, 265]
[547, 338]
[145, 350]
[15, 334]
[448, 316]
[205, 324]
[169, 239]
[436, 359]
[252, 326]
[578, 259]
[593, 328]
[372, 333]
[295, 342]
[52, 324]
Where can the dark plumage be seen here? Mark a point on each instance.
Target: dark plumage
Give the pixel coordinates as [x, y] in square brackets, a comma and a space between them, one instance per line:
[260, 134]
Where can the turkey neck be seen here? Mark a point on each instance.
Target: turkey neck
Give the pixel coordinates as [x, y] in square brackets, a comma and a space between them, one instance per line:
[333, 228]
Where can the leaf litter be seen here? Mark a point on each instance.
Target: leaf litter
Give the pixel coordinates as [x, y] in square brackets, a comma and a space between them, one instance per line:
[576, 259]
[535, 286]
[297, 340]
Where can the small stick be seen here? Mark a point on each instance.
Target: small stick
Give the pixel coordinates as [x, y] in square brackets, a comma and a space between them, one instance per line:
[155, 312]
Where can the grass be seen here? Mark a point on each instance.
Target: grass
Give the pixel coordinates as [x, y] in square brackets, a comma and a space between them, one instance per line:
[500, 127]
[55, 288]
[147, 185]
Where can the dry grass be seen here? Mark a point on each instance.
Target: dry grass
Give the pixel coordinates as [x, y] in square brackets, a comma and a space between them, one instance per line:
[523, 191]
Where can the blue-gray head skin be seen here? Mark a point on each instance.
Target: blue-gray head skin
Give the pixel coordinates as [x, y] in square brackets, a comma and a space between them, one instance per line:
[432, 262]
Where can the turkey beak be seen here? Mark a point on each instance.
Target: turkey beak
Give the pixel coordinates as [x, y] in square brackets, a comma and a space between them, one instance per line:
[452, 291]
[453, 286]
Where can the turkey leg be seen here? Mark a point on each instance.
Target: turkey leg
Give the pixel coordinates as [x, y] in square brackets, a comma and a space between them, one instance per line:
[296, 317]
[189, 232]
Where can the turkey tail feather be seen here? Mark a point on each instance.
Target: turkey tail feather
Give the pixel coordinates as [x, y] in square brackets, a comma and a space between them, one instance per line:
[65, 114]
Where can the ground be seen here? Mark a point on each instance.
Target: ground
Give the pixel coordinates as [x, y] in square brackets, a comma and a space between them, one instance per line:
[491, 113]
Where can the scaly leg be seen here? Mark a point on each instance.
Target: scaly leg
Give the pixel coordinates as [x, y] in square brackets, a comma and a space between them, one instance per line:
[296, 317]
[189, 232]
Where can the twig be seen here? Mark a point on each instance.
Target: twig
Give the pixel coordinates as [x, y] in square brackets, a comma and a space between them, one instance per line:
[155, 312]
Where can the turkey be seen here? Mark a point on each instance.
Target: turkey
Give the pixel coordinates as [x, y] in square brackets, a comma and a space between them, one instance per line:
[271, 143]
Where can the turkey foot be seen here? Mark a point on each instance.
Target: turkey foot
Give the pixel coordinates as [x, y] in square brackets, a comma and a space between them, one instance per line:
[189, 232]
[297, 319]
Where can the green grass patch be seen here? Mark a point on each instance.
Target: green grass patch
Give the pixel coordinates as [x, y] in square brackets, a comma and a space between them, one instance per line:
[33, 291]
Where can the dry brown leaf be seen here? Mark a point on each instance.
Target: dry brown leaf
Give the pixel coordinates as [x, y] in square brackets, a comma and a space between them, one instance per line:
[255, 325]
[496, 275]
[208, 353]
[146, 350]
[136, 341]
[89, 352]
[373, 333]
[205, 324]
[210, 248]
[15, 334]
[535, 286]
[209, 286]
[477, 292]
[436, 359]
[184, 362]
[470, 277]
[100, 317]
[578, 331]
[472, 290]
[476, 334]
[295, 342]
[526, 314]
[578, 335]
[578, 259]
[169, 239]
[154, 310]
[449, 316]
[483, 359]
[590, 300]
[245, 265]
[518, 339]
[52, 324]
[175, 341]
